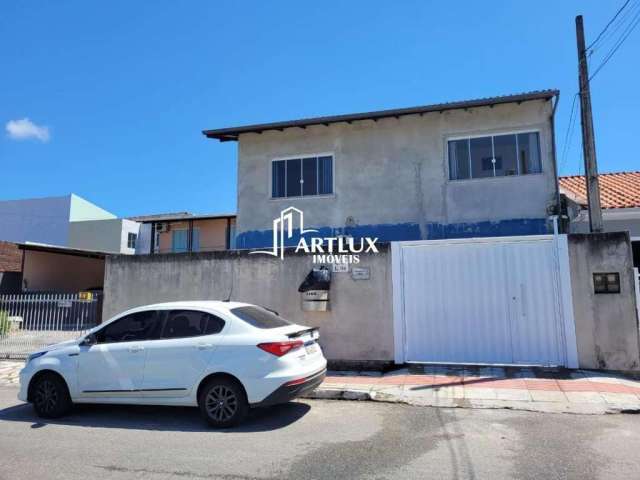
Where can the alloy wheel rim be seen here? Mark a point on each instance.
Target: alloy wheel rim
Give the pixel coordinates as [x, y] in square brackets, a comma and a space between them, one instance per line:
[221, 403]
[46, 396]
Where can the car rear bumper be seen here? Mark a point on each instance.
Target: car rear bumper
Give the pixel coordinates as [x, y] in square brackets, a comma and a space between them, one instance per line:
[288, 392]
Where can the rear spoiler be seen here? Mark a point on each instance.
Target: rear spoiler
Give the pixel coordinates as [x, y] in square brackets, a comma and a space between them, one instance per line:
[300, 333]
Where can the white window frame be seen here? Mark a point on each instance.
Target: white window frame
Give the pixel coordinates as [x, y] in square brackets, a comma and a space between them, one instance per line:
[135, 239]
[491, 134]
[302, 157]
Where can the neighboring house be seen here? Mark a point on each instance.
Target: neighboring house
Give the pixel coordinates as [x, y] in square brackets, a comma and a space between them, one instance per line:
[67, 221]
[463, 169]
[185, 232]
[117, 235]
[620, 201]
[32, 267]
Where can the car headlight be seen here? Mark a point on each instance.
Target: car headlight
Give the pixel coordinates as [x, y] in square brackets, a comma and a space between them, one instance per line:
[35, 355]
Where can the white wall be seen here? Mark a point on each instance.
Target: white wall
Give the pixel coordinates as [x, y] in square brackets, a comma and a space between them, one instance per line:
[42, 220]
[102, 235]
[45, 220]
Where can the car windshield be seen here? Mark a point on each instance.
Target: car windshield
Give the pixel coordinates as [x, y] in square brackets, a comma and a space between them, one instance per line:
[260, 317]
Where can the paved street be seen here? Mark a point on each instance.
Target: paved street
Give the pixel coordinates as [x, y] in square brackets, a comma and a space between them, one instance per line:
[316, 439]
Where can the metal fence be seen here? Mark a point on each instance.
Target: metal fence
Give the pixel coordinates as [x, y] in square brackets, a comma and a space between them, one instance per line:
[31, 321]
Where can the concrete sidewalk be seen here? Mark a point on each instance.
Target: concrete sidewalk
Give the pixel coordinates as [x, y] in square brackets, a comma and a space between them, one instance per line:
[568, 391]
[9, 371]
[573, 391]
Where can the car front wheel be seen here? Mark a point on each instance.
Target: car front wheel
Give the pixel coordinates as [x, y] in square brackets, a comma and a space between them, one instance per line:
[223, 403]
[50, 396]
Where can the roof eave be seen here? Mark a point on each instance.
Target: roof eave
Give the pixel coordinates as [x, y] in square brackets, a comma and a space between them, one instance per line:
[233, 133]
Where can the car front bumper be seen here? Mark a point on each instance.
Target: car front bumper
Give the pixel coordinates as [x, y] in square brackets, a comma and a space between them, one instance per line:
[288, 392]
[25, 377]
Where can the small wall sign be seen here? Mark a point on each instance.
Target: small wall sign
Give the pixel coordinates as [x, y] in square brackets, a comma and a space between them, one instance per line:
[361, 273]
[340, 267]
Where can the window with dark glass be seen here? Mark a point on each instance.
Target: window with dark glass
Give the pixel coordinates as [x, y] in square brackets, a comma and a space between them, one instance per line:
[135, 327]
[494, 156]
[131, 240]
[606, 282]
[481, 157]
[309, 176]
[529, 153]
[299, 177]
[459, 159]
[191, 323]
[278, 179]
[260, 317]
[294, 178]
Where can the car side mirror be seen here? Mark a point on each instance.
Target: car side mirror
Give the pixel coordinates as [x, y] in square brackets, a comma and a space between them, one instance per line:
[89, 340]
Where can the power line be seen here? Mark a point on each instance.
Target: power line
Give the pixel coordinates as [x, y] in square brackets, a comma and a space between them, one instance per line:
[569, 133]
[634, 23]
[629, 13]
[608, 24]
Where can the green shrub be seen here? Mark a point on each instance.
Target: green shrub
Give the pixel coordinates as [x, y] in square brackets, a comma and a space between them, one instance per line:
[5, 325]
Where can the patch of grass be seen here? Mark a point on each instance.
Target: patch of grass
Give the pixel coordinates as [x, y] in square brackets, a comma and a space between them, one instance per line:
[5, 325]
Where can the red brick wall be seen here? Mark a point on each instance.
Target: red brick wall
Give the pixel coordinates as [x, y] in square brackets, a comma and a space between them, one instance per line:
[10, 257]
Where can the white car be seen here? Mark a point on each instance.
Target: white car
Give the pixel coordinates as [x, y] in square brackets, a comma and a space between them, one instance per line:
[224, 357]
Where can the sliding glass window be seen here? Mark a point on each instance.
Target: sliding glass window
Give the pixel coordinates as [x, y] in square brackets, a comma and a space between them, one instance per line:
[302, 177]
[494, 156]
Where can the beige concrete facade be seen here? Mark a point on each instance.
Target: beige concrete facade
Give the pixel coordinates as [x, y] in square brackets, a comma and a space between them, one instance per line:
[61, 273]
[358, 326]
[212, 234]
[606, 324]
[394, 173]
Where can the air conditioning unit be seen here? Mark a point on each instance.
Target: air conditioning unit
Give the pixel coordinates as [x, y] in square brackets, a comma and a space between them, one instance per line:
[162, 227]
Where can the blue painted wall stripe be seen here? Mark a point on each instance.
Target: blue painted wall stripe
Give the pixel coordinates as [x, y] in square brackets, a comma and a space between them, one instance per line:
[405, 231]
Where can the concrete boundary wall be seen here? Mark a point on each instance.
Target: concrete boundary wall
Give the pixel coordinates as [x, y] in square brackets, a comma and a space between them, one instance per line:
[606, 324]
[358, 327]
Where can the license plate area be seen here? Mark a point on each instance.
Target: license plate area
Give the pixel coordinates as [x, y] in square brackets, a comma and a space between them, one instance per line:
[311, 347]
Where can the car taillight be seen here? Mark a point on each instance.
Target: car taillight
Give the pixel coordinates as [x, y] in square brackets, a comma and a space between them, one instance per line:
[280, 348]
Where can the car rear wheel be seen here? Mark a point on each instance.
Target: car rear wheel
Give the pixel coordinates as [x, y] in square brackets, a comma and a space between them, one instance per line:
[50, 396]
[223, 403]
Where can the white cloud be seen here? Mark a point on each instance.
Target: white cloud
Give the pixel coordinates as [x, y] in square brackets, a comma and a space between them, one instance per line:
[25, 129]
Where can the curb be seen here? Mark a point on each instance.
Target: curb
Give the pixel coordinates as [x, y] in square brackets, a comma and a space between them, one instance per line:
[540, 407]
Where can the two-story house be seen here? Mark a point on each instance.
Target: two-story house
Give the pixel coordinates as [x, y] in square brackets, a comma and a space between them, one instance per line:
[462, 169]
[66, 221]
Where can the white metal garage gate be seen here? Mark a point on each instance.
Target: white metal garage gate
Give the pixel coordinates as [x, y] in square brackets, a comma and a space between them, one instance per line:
[504, 300]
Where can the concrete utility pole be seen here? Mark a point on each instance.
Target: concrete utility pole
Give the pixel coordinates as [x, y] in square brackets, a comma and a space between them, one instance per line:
[588, 140]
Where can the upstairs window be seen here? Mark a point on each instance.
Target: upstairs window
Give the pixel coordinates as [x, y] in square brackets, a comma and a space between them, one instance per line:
[494, 156]
[302, 177]
[131, 240]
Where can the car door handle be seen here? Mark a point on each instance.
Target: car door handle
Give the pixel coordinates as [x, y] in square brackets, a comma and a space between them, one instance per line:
[204, 346]
[135, 348]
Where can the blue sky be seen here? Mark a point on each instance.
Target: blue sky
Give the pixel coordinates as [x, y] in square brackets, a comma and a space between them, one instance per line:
[125, 88]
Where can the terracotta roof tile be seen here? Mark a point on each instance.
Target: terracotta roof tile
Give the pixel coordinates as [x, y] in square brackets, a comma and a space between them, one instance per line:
[617, 190]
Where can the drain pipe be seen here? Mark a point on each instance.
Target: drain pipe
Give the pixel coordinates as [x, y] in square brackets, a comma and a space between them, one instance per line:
[553, 153]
